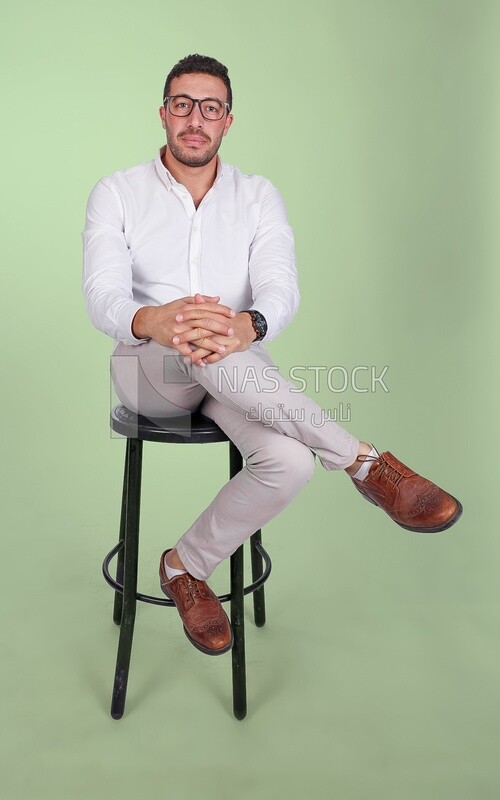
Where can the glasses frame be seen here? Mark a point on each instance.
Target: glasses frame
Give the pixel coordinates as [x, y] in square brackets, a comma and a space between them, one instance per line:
[199, 101]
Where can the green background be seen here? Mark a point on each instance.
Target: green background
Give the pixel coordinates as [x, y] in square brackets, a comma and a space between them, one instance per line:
[377, 675]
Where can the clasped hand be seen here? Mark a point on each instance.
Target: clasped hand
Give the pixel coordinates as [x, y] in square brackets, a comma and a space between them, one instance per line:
[202, 329]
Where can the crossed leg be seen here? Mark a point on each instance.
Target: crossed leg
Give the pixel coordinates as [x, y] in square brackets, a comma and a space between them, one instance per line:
[279, 449]
[279, 452]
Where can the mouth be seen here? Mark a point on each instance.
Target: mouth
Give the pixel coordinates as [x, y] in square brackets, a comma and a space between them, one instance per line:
[193, 140]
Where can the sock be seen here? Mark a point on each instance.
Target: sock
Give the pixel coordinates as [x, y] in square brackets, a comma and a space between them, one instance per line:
[365, 466]
[171, 571]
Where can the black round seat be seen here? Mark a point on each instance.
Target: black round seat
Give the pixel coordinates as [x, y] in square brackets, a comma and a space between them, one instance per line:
[192, 428]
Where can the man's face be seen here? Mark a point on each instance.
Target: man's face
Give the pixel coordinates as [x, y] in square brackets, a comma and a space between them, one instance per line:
[194, 140]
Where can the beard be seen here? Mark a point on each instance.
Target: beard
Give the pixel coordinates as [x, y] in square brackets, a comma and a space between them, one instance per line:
[195, 158]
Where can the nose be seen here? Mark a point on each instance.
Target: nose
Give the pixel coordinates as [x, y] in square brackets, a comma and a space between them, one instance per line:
[195, 117]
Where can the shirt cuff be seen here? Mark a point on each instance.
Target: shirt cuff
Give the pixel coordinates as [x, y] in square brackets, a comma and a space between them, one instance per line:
[124, 320]
[269, 312]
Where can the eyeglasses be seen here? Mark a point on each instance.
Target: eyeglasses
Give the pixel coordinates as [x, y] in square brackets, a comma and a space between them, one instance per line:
[181, 105]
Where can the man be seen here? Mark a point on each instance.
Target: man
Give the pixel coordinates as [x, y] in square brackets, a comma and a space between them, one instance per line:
[189, 267]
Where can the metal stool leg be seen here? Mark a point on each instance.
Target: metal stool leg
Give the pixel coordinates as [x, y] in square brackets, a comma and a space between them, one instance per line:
[132, 506]
[237, 610]
[238, 625]
[118, 604]
[259, 603]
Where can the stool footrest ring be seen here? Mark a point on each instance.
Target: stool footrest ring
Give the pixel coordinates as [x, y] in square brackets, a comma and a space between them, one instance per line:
[162, 601]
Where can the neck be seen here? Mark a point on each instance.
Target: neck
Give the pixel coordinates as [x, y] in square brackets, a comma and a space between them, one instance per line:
[197, 180]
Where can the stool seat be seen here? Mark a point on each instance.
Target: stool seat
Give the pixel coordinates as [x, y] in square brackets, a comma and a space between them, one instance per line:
[191, 428]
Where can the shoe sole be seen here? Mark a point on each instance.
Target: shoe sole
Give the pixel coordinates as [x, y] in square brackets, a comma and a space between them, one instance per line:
[438, 529]
[196, 644]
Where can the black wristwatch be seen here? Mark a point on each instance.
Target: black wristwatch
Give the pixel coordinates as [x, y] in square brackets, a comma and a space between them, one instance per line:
[259, 323]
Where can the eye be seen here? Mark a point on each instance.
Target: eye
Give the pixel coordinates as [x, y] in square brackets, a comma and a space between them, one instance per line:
[212, 109]
[181, 104]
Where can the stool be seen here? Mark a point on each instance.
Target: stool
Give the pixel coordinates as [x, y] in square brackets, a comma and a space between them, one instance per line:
[190, 429]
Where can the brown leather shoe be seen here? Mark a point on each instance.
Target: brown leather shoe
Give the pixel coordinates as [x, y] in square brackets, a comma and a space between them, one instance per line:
[410, 500]
[206, 624]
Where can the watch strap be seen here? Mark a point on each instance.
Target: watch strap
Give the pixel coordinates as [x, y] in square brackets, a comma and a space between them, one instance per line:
[259, 323]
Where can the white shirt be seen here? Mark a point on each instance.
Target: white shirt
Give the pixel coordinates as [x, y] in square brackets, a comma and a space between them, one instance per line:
[145, 244]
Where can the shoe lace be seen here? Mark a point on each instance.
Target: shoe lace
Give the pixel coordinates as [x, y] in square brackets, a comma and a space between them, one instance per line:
[390, 474]
[383, 469]
[192, 586]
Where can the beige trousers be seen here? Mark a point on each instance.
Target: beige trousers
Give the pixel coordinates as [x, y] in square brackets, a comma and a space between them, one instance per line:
[277, 429]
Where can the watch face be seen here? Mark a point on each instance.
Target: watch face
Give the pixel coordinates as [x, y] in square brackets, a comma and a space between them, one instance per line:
[260, 325]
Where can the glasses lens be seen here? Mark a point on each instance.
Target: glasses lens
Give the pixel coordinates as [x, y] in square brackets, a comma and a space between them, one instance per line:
[180, 106]
[212, 109]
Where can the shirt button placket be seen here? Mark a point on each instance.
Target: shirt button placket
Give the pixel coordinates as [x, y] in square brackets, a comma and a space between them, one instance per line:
[195, 254]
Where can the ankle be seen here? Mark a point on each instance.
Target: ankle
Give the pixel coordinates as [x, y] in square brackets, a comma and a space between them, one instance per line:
[172, 560]
[364, 449]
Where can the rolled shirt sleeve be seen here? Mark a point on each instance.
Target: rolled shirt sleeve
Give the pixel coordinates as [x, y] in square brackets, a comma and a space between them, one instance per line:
[107, 266]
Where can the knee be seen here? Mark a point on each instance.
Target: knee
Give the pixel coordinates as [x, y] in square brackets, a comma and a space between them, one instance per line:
[286, 465]
[300, 461]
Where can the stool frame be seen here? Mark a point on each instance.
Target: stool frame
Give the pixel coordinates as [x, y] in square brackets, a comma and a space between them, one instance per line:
[200, 429]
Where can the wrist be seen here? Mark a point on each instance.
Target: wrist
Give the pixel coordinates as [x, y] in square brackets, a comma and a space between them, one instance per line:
[140, 326]
[258, 322]
[249, 331]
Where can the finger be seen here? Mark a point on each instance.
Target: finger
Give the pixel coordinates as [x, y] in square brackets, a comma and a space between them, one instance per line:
[198, 356]
[213, 357]
[200, 337]
[194, 357]
[199, 308]
[185, 351]
[207, 327]
[203, 319]
[206, 298]
[199, 298]
[194, 316]
[206, 343]
[229, 342]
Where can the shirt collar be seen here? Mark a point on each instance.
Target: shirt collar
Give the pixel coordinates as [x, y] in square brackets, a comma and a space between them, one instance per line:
[168, 179]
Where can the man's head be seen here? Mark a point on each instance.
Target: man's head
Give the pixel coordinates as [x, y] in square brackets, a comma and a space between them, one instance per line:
[195, 129]
[197, 63]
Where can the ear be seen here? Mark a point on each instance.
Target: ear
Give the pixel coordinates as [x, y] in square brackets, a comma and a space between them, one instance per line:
[162, 116]
[229, 122]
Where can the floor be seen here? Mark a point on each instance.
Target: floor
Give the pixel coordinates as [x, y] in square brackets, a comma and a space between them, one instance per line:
[375, 677]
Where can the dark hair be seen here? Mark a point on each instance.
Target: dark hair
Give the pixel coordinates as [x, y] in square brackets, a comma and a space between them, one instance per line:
[197, 63]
